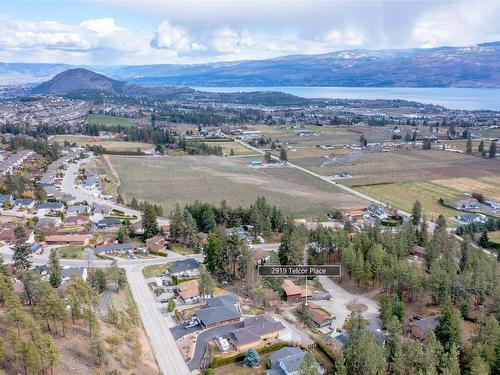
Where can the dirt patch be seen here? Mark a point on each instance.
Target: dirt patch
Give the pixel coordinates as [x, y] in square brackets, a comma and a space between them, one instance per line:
[356, 307]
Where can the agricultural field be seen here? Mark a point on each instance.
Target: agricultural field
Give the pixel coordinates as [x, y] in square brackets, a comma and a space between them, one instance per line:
[369, 168]
[106, 120]
[238, 149]
[489, 186]
[461, 144]
[170, 180]
[82, 140]
[402, 195]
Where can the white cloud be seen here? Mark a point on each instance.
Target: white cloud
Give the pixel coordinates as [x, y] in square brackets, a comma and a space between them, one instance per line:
[100, 26]
[176, 38]
[347, 37]
[227, 40]
[457, 24]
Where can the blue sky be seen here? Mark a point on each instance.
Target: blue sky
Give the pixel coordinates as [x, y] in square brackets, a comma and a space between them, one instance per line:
[151, 32]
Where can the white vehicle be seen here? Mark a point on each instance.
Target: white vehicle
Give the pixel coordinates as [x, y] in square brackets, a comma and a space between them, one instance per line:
[192, 323]
[223, 343]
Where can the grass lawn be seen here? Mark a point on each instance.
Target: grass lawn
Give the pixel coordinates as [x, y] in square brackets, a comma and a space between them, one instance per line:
[494, 237]
[82, 140]
[403, 195]
[183, 250]
[172, 180]
[238, 369]
[72, 252]
[107, 120]
[151, 271]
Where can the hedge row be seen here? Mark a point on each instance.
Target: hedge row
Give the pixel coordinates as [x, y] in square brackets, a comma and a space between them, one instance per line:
[159, 253]
[218, 362]
[326, 350]
[178, 316]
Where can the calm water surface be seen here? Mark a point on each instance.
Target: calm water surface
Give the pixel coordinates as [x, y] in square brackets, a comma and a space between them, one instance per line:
[454, 98]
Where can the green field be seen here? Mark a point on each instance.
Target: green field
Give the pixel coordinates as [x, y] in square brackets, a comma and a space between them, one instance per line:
[494, 237]
[107, 120]
[170, 180]
[403, 195]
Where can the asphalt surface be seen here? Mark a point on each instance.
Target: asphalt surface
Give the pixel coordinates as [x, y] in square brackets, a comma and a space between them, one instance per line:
[204, 338]
[106, 299]
[179, 330]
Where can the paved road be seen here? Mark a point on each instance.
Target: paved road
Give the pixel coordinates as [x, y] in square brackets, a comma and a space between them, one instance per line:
[204, 338]
[337, 305]
[166, 351]
[68, 186]
[106, 299]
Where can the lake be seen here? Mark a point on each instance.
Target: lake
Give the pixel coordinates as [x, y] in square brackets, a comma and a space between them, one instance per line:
[449, 97]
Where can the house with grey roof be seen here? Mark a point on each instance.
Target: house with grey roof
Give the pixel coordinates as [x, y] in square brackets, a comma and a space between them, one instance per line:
[256, 332]
[50, 207]
[185, 268]
[220, 310]
[287, 361]
[6, 198]
[471, 218]
[420, 329]
[108, 223]
[77, 209]
[377, 211]
[115, 248]
[25, 203]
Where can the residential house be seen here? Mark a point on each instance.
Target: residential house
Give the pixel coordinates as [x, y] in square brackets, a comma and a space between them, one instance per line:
[471, 218]
[48, 225]
[78, 209]
[24, 203]
[320, 316]
[261, 256]
[115, 248]
[108, 223]
[492, 204]
[165, 229]
[420, 329]
[240, 231]
[8, 236]
[188, 292]
[67, 272]
[50, 208]
[287, 361]
[465, 204]
[219, 311]
[68, 239]
[137, 228]
[90, 182]
[4, 198]
[256, 332]
[294, 293]
[156, 243]
[377, 211]
[76, 220]
[100, 208]
[185, 268]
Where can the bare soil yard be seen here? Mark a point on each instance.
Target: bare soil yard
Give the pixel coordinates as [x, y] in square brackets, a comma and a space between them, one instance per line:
[170, 180]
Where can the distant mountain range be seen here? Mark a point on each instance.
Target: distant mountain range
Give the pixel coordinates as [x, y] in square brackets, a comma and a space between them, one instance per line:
[473, 66]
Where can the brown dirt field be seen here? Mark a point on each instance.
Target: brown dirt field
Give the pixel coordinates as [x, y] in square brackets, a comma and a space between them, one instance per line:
[382, 167]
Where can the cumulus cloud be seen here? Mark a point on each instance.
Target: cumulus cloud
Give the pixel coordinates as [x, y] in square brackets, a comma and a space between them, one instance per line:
[457, 24]
[168, 36]
[229, 40]
[100, 26]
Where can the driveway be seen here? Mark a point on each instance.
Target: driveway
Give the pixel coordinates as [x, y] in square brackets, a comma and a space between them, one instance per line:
[179, 330]
[204, 338]
[106, 298]
[337, 306]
